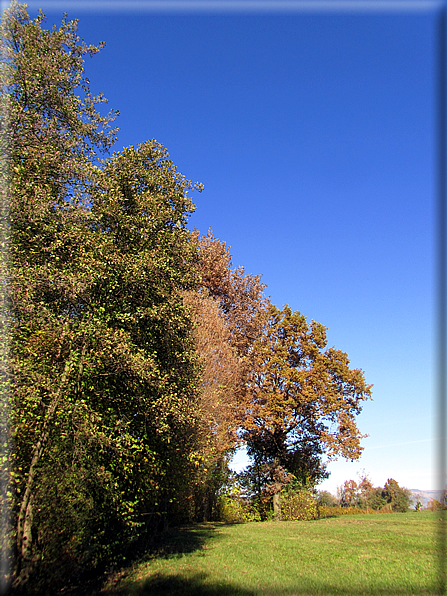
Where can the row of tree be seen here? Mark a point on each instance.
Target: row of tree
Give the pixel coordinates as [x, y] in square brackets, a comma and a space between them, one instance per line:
[135, 358]
[366, 496]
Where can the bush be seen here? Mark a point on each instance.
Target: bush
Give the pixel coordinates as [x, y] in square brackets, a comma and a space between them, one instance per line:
[298, 505]
[295, 505]
[326, 511]
[234, 510]
[435, 505]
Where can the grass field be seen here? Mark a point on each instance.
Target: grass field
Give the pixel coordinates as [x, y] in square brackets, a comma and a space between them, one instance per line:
[394, 554]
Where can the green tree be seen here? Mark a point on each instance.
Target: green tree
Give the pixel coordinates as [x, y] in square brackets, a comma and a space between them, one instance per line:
[262, 482]
[376, 499]
[304, 397]
[398, 498]
[52, 136]
[325, 498]
[103, 418]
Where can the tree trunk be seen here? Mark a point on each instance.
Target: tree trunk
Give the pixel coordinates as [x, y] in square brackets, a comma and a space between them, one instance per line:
[25, 556]
[24, 522]
[24, 537]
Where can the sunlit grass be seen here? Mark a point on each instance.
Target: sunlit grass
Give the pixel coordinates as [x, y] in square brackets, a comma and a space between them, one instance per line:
[356, 555]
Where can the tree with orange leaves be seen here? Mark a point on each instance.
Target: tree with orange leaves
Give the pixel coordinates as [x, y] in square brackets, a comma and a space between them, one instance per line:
[218, 409]
[240, 296]
[224, 310]
[304, 397]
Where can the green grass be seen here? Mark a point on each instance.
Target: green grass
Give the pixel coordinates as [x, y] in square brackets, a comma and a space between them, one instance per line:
[393, 554]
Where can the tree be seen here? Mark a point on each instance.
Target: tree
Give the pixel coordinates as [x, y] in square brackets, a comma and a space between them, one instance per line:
[357, 494]
[365, 495]
[263, 483]
[224, 308]
[218, 406]
[52, 136]
[122, 417]
[103, 418]
[304, 397]
[327, 499]
[365, 489]
[349, 493]
[398, 498]
[376, 499]
[220, 375]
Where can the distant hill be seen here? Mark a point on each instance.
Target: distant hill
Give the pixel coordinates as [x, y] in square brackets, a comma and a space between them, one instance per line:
[425, 496]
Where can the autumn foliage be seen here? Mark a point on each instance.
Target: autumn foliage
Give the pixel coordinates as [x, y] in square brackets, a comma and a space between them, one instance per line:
[303, 397]
[363, 495]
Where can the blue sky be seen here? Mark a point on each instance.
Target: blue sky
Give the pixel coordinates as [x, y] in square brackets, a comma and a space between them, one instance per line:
[314, 135]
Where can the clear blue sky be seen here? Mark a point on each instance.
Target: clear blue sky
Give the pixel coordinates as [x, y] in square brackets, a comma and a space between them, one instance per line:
[314, 135]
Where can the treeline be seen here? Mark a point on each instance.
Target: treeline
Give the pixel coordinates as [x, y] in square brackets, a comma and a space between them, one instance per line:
[135, 358]
[243, 500]
[364, 495]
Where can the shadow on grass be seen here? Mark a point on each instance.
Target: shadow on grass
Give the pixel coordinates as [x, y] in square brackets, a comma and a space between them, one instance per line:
[179, 541]
[176, 585]
[200, 585]
[176, 542]
[170, 544]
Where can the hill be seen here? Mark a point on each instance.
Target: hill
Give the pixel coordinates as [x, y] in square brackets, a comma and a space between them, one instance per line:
[424, 496]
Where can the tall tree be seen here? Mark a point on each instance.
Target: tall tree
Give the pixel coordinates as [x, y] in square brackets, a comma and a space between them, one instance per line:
[217, 405]
[52, 136]
[224, 308]
[304, 397]
[103, 418]
[398, 498]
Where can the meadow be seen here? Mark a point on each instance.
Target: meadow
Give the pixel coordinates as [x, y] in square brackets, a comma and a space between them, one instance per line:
[386, 554]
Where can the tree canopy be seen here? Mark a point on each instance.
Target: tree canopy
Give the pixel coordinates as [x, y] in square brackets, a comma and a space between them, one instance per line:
[304, 397]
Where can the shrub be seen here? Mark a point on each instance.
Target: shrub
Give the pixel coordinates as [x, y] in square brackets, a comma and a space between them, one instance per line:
[298, 505]
[326, 511]
[237, 510]
[435, 505]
